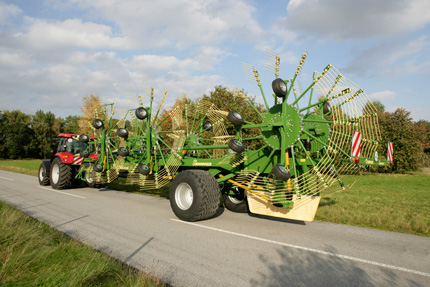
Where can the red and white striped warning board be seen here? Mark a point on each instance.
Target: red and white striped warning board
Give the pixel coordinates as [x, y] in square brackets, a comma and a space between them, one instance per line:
[390, 151]
[78, 159]
[356, 144]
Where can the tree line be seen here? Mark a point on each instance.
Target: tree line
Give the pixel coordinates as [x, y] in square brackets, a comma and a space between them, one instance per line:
[33, 136]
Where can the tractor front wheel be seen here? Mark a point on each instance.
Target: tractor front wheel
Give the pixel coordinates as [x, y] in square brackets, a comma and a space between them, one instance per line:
[194, 195]
[61, 174]
[44, 171]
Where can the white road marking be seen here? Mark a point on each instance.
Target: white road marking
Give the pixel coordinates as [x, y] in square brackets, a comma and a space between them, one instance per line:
[6, 178]
[309, 249]
[62, 192]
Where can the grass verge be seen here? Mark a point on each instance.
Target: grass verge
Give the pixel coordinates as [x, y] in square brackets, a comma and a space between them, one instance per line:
[33, 254]
[392, 202]
[25, 166]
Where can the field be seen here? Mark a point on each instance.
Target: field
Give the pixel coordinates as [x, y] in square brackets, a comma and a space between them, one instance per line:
[392, 202]
[384, 201]
[33, 254]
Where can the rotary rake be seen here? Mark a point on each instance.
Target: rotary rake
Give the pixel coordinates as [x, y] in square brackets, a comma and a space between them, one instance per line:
[308, 139]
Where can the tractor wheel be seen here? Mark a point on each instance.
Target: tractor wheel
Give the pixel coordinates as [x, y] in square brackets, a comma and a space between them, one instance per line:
[236, 146]
[236, 203]
[279, 87]
[281, 172]
[141, 113]
[61, 174]
[235, 118]
[44, 171]
[122, 151]
[194, 195]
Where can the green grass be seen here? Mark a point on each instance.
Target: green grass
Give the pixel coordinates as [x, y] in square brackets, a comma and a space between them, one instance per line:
[25, 166]
[385, 201]
[33, 254]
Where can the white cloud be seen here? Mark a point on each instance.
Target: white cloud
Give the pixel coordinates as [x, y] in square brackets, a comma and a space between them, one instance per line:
[8, 11]
[70, 33]
[352, 19]
[383, 95]
[179, 24]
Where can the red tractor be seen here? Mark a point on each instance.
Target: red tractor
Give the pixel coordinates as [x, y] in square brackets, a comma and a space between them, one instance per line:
[60, 171]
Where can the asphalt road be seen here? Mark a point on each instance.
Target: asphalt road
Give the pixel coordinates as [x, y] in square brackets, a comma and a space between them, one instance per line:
[228, 250]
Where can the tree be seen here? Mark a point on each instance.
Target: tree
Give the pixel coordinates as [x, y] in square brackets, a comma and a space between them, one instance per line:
[408, 140]
[16, 134]
[43, 130]
[91, 106]
[71, 125]
[227, 101]
[424, 128]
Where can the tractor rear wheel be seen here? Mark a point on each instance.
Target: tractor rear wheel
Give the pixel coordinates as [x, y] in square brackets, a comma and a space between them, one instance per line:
[61, 174]
[194, 195]
[44, 171]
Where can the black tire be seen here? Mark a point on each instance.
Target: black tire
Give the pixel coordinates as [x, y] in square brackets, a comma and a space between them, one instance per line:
[326, 107]
[194, 195]
[236, 146]
[89, 177]
[61, 174]
[122, 132]
[143, 169]
[122, 151]
[84, 153]
[98, 124]
[279, 87]
[141, 113]
[44, 172]
[281, 172]
[207, 126]
[98, 167]
[84, 138]
[236, 203]
[235, 118]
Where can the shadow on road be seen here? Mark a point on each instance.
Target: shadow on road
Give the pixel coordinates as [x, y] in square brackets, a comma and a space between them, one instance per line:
[277, 219]
[301, 268]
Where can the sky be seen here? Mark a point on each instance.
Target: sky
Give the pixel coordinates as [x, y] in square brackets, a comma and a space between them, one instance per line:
[53, 53]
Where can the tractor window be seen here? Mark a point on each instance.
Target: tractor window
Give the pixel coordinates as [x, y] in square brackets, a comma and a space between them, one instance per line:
[74, 146]
[61, 145]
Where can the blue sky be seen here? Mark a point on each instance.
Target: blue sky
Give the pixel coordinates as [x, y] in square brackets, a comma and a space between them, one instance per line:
[53, 53]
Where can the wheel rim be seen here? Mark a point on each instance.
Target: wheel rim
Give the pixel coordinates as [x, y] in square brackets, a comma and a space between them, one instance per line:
[238, 198]
[55, 175]
[184, 196]
[235, 200]
[88, 177]
[41, 173]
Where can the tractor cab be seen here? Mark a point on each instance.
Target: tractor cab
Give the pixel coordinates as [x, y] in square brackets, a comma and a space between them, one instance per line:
[70, 143]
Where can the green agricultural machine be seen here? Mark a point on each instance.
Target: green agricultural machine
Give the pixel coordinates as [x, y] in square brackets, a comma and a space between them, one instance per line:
[307, 139]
